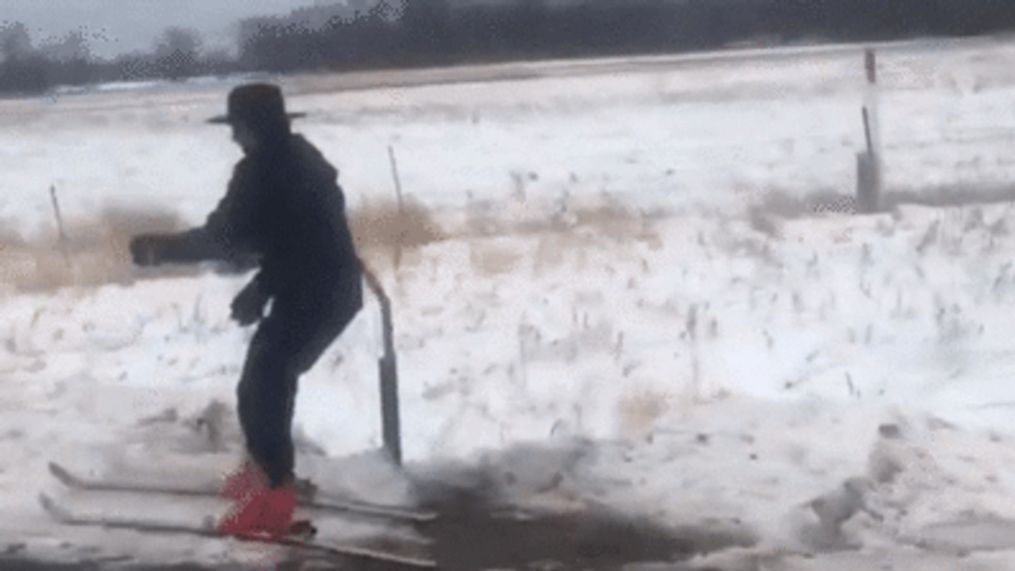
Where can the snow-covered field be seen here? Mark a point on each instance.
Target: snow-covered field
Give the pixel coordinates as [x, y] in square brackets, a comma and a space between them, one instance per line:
[605, 320]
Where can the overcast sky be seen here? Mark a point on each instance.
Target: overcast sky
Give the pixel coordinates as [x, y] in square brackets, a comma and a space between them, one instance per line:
[117, 26]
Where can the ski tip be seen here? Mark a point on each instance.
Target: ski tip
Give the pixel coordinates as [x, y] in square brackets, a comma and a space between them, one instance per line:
[49, 505]
[55, 510]
[65, 476]
[60, 472]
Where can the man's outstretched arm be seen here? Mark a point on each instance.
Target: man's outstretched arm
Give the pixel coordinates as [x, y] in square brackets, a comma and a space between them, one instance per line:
[193, 246]
[225, 235]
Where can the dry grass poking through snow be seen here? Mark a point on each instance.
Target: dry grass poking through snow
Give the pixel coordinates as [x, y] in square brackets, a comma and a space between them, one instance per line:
[382, 224]
[98, 247]
[97, 251]
[560, 225]
[99, 254]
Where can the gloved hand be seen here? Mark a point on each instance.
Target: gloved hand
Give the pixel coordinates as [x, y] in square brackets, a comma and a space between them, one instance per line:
[146, 249]
[248, 305]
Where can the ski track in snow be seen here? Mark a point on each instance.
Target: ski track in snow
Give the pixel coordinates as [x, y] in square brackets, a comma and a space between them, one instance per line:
[836, 390]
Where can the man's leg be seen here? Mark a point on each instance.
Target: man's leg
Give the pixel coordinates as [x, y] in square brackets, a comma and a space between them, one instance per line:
[265, 394]
[265, 400]
[287, 343]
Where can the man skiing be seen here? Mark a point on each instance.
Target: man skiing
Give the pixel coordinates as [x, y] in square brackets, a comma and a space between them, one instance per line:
[284, 207]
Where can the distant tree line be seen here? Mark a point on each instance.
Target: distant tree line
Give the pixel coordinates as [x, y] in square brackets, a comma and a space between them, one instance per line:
[364, 34]
[441, 31]
[68, 61]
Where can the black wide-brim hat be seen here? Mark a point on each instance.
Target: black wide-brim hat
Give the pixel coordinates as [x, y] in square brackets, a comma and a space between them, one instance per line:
[256, 104]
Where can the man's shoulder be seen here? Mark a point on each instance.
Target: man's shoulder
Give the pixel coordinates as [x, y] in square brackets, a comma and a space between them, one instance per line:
[311, 158]
[302, 146]
[243, 165]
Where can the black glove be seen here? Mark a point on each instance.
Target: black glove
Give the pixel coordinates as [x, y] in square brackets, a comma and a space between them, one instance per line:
[248, 305]
[147, 249]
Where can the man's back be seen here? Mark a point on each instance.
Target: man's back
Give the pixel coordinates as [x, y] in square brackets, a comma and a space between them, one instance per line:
[285, 206]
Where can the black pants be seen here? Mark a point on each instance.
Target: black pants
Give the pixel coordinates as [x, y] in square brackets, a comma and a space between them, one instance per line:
[287, 343]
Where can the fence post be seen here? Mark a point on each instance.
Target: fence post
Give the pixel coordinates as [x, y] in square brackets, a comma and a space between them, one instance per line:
[391, 429]
[869, 165]
[401, 208]
[64, 242]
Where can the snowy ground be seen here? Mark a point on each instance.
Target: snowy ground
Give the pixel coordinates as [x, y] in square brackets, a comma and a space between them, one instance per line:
[606, 324]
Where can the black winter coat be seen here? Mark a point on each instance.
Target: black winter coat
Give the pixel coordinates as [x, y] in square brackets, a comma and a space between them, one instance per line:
[284, 207]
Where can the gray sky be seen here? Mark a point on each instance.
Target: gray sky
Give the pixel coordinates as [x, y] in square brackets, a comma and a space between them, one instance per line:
[117, 26]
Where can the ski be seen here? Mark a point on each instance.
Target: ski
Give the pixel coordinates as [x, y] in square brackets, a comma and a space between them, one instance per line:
[67, 517]
[356, 507]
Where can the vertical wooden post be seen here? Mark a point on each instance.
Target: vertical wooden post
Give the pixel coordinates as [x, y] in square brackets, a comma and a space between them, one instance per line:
[64, 248]
[869, 163]
[871, 63]
[391, 429]
[401, 208]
